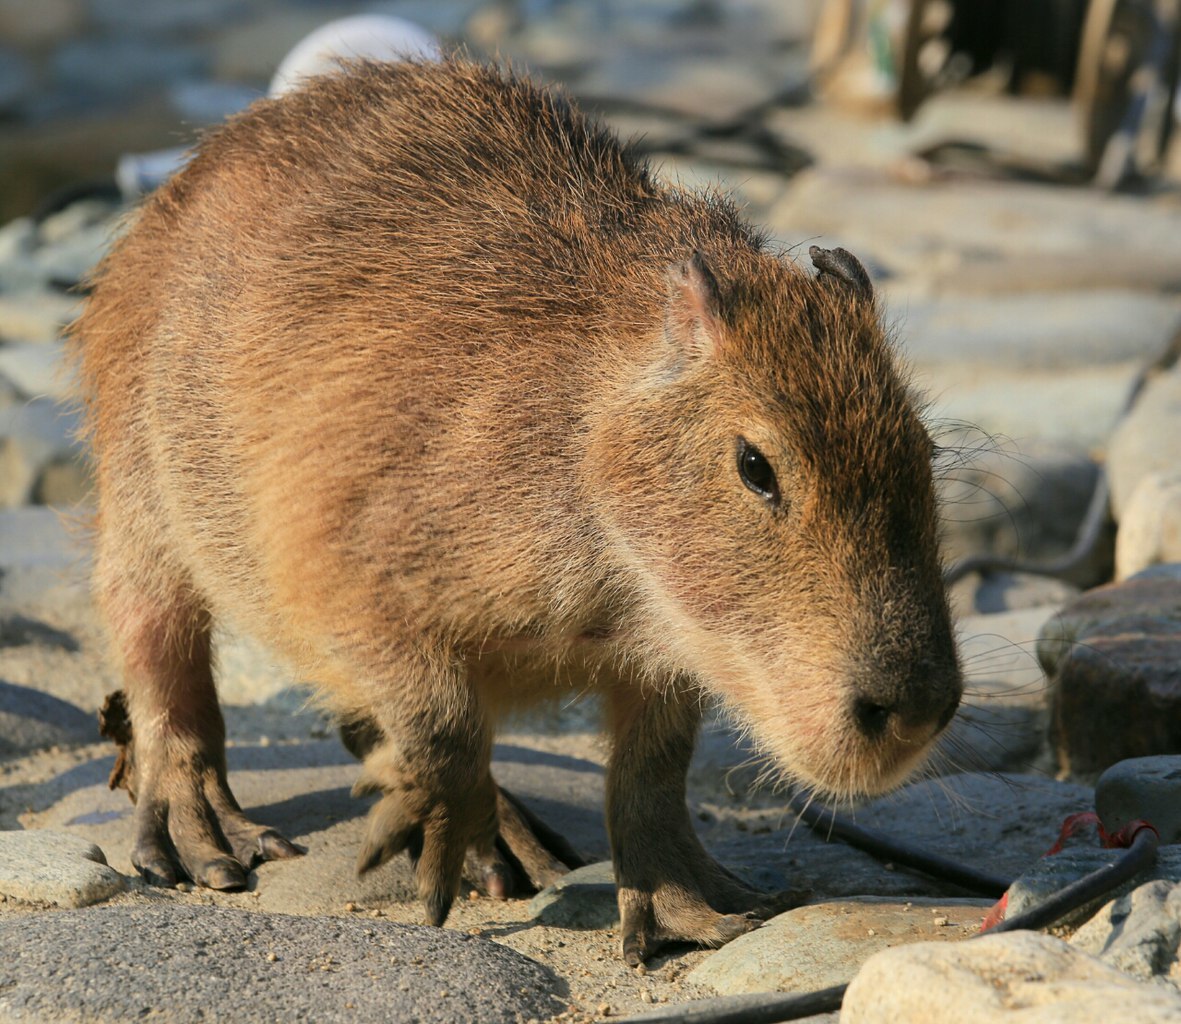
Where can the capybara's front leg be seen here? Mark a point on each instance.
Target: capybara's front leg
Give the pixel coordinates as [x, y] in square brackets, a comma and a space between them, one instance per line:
[171, 736]
[432, 767]
[670, 889]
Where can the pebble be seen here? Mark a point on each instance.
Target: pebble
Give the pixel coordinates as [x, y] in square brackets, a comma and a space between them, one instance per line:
[997, 979]
[55, 869]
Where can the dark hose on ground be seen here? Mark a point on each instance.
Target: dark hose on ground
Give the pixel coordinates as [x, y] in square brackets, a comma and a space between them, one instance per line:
[775, 1007]
[886, 848]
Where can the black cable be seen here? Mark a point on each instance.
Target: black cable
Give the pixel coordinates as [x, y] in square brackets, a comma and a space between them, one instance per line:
[886, 848]
[763, 1008]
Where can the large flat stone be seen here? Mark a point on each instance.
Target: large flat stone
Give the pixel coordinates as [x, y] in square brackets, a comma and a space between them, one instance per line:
[825, 944]
[189, 964]
[998, 979]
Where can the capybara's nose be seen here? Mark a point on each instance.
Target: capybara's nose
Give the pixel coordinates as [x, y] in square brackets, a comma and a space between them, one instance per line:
[918, 716]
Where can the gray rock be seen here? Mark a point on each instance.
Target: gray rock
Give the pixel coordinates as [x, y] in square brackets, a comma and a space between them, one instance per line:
[55, 869]
[34, 436]
[67, 262]
[121, 963]
[1148, 440]
[16, 79]
[1150, 527]
[78, 216]
[583, 899]
[1001, 724]
[1072, 409]
[148, 18]
[35, 316]
[118, 68]
[713, 91]
[825, 944]
[18, 239]
[253, 51]
[997, 979]
[29, 26]
[35, 369]
[1114, 656]
[1138, 933]
[1009, 592]
[34, 537]
[1039, 331]
[1142, 787]
[1050, 875]
[907, 228]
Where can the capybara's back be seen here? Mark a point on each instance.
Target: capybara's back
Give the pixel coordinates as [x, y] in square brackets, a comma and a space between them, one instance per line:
[420, 376]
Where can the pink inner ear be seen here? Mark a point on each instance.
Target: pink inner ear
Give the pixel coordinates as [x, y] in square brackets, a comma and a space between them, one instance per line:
[691, 320]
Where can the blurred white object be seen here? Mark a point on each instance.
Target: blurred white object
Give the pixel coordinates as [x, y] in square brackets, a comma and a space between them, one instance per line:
[375, 36]
[137, 174]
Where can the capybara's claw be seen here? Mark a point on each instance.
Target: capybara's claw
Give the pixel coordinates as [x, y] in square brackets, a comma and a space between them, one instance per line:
[274, 846]
[222, 873]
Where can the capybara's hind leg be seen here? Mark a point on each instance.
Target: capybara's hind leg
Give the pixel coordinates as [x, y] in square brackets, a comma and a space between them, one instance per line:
[431, 765]
[172, 740]
[528, 855]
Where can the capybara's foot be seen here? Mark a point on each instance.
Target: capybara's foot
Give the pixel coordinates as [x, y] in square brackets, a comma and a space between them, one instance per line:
[689, 898]
[434, 820]
[188, 826]
[528, 855]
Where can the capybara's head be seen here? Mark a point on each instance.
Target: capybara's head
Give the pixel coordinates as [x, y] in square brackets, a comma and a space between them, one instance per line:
[765, 478]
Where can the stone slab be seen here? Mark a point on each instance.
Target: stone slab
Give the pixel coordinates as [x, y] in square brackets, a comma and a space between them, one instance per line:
[997, 979]
[825, 944]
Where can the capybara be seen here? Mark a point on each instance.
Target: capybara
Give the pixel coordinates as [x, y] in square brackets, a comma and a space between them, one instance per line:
[421, 377]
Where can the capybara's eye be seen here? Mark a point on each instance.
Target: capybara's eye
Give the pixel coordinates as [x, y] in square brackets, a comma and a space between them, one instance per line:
[756, 472]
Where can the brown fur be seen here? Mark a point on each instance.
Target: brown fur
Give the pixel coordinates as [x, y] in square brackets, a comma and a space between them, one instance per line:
[415, 374]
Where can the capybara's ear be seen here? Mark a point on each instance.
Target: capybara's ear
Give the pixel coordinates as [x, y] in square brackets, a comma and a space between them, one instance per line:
[842, 266]
[691, 316]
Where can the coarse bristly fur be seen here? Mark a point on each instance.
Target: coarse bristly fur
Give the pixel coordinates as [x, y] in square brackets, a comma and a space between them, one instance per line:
[418, 375]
